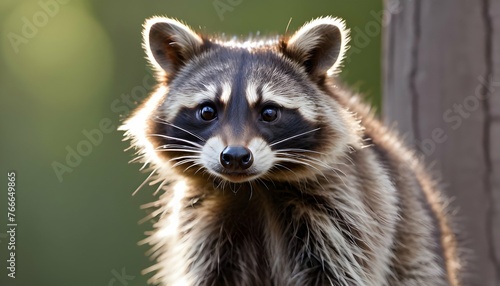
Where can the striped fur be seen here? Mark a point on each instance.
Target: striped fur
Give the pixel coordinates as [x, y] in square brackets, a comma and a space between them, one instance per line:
[318, 205]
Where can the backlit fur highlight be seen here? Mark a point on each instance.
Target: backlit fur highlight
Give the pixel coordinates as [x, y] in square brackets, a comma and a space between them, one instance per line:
[356, 208]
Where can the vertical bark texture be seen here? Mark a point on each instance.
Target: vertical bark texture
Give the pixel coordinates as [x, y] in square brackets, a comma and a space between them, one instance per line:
[442, 90]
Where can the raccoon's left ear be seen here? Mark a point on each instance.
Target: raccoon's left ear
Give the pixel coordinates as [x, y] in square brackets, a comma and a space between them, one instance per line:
[169, 43]
[319, 46]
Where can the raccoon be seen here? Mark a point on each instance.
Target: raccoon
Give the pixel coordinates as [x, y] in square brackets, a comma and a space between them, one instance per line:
[271, 172]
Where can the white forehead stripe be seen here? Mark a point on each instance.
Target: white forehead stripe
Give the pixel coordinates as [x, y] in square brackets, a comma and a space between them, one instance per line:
[289, 99]
[189, 100]
[226, 93]
[251, 94]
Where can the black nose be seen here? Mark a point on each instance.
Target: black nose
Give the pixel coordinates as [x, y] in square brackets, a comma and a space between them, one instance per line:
[236, 158]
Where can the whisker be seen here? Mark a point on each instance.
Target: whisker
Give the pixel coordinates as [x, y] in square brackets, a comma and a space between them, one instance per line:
[180, 150]
[143, 183]
[285, 167]
[177, 146]
[175, 138]
[128, 148]
[235, 188]
[151, 215]
[297, 161]
[200, 168]
[161, 186]
[313, 160]
[144, 166]
[159, 179]
[154, 204]
[262, 181]
[285, 152]
[335, 170]
[294, 136]
[251, 190]
[301, 150]
[349, 159]
[138, 158]
[221, 182]
[180, 128]
[183, 162]
[194, 165]
[184, 157]
[306, 159]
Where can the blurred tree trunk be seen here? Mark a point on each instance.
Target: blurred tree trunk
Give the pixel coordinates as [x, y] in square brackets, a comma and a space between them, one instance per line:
[442, 88]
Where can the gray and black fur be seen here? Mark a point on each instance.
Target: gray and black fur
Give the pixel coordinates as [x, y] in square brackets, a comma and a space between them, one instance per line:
[265, 173]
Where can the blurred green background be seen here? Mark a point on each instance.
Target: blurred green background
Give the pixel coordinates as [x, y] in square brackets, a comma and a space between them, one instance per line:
[65, 67]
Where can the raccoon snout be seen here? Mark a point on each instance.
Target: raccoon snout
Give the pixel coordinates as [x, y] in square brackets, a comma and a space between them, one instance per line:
[236, 158]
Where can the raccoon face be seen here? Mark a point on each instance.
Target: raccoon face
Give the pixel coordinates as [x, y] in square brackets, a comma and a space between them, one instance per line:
[242, 111]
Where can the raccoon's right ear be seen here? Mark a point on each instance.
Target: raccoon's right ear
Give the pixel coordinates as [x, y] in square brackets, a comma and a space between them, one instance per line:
[169, 43]
[319, 46]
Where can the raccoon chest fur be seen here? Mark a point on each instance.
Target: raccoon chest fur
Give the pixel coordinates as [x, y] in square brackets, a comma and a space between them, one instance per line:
[272, 173]
[292, 234]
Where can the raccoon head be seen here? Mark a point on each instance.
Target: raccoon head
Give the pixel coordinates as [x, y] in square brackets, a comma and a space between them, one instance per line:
[241, 111]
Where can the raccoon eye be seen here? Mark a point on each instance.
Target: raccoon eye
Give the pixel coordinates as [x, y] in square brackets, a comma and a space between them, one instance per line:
[269, 113]
[208, 113]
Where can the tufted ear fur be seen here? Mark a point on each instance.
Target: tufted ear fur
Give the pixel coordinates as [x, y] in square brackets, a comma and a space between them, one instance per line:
[319, 46]
[169, 43]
